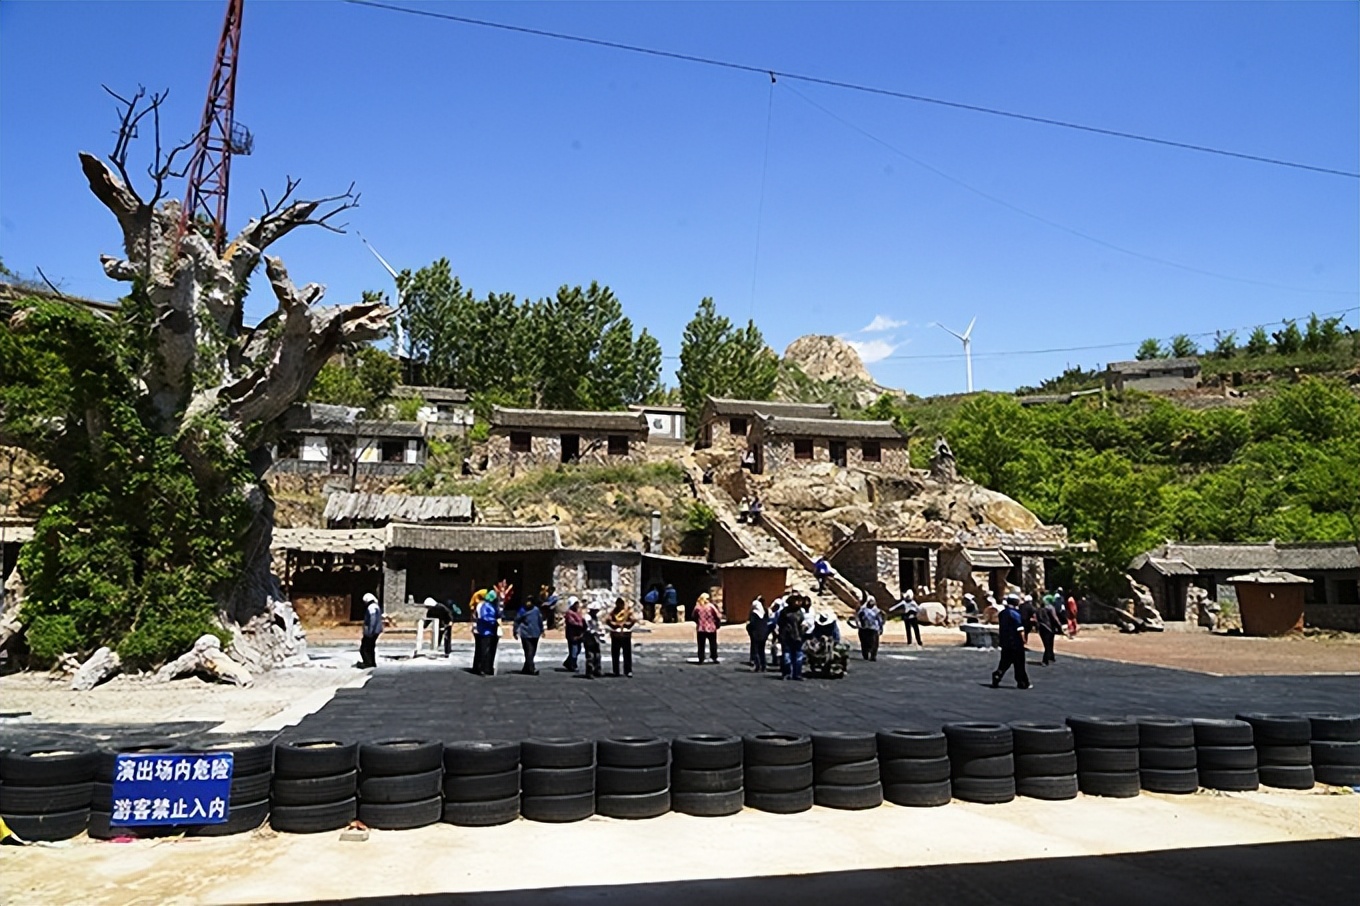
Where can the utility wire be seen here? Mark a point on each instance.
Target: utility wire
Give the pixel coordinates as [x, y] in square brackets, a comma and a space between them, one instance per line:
[853, 86]
[760, 207]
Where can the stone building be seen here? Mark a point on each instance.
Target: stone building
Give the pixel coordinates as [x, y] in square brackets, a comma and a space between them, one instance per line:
[726, 419]
[665, 424]
[1153, 375]
[780, 442]
[538, 437]
[331, 439]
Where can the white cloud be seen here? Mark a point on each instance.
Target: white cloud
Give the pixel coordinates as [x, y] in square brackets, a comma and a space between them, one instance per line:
[873, 350]
[880, 324]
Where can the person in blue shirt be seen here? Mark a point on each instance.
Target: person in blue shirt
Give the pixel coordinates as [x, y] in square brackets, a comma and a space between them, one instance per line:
[1011, 625]
[529, 629]
[670, 599]
[486, 634]
[869, 620]
[822, 570]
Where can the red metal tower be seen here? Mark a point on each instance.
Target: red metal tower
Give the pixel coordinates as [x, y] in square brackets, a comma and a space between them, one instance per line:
[219, 137]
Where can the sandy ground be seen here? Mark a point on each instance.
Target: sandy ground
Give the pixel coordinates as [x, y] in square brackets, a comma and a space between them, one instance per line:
[442, 858]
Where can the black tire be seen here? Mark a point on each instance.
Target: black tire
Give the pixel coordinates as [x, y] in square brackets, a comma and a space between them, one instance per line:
[1287, 776]
[1334, 727]
[558, 809]
[101, 827]
[725, 780]
[244, 817]
[915, 770]
[989, 767]
[706, 753]
[633, 752]
[1107, 761]
[634, 806]
[780, 803]
[848, 797]
[1054, 764]
[555, 782]
[397, 757]
[44, 800]
[978, 740]
[1227, 758]
[1337, 774]
[401, 789]
[1219, 733]
[484, 813]
[844, 748]
[611, 781]
[984, 790]
[778, 778]
[772, 749]
[1104, 732]
[493, 756]
[1111, 784]
[1054, 788]
[557, 752]
[1169, 780]
[302, 792]
[402, 815]
[481, 787]
[313, 819]
[1039, 738]
[304, 758]
[247, 788]
[908, 743]
[919, 795]
[1158, 758]
[1240, 781]
[1344, 754]
[1284, 756]
[106, 758]
[52, 766]
[855, 773]
[1165, 732]
[708, 805]
[52, 826]
[249, 757]
[1279, 729]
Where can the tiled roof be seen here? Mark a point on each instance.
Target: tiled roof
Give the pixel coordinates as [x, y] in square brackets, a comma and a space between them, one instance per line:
[774, 426]
[1223, 557]
[726, 408]
[564, 420]
[473, 538]
[397, 508]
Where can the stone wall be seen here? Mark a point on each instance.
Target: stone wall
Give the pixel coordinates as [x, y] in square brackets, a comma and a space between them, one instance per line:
[569, 576]
[1345, 617]
[893, 458]
[546, 450]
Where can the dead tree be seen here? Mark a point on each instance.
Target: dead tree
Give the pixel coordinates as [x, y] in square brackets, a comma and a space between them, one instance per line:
[203, 360]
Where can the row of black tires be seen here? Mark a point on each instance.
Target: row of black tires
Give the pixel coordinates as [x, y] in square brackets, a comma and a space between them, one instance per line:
[306, 786]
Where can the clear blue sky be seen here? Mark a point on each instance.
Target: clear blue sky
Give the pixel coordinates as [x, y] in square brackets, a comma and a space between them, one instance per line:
[531, 162]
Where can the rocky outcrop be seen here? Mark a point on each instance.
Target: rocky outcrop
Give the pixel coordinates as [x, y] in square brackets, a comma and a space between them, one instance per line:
[825, 358]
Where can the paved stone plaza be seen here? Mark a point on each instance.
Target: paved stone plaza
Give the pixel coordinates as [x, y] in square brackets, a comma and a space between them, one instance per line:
[671, 695]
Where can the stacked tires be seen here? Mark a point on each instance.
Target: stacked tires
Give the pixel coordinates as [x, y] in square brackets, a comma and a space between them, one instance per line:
[481, 783]
[706, 775]
[1226, 755]
[401, 783]
[914, 765]
[981, 762]
[315, 786]
[845, 773]
[1166, 755]
[558, 780]
[633, 777]
[252, 774]
[46, 792]
[1107, 756]
[101, 799]
[1284, 759]
[1336, 748]
[1045, 760]
[778, 772]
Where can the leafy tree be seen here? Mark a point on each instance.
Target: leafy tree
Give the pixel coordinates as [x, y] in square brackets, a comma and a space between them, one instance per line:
[1225, 344]
[717, 359]
[363, 378]
[987, 435]
[1321, 334]
[1183, 347]
[1312, 410]
[1105, 498]
[1289, 340]
[1151, 348]
[1258, 343]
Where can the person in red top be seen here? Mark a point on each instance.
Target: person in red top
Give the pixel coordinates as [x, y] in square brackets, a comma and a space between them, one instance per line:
[1071, 614]
[707, 619]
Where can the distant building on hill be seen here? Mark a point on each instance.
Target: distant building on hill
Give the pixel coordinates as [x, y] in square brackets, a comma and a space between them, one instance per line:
[1153, 375]
[726, 418]
[539, 437]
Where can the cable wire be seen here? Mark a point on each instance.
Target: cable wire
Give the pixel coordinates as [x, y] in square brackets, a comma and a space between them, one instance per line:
[853, 86]
[760, 206]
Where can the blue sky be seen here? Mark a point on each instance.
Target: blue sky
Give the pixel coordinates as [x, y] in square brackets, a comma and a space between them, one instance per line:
[532, 163]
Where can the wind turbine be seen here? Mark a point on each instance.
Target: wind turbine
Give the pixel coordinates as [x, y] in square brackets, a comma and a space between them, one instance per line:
[383, 261]
[966, 337]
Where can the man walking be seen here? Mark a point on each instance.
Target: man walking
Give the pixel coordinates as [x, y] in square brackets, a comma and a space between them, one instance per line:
[822, 570]
[1012, 644]
[574, 623]
[529, 629]
[373, 628]
[1049, 625]
[869, 619]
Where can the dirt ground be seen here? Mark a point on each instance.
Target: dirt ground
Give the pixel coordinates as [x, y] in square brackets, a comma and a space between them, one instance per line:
[1224, 655]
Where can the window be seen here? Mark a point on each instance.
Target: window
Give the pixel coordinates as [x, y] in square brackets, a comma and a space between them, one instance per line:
[341, 455]
[737, 426]
[290, 447]
[393, 451]
[571, 447]
[599, 574]
[838, 452]
[520, 442]
[802, 448]
[872, 450]
[618, 445]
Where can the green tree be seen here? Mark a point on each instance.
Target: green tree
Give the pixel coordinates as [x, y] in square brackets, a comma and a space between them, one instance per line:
[362, 378]
[1321, 334]
[987, 434]
[1258, 343]
[1225, 344]
[1151, 348]
[1105, 498]
[1289, 340]
[717, 359]
[1183, 347]
[1313, 410]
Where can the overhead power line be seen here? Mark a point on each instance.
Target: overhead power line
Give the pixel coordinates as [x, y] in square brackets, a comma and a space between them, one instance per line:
[854, 86]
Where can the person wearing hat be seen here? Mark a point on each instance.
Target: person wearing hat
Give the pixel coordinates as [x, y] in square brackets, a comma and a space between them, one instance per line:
[574, 625]
[791, 632]
[911, 613]
[486, 633]
[373, 627]
[1012, 644]
[757, 627]
[869, 621]
[594, 635]
[826, 626]
[435, 610]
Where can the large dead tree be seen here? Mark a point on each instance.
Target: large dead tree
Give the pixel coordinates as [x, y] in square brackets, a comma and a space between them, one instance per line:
[204, 360]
